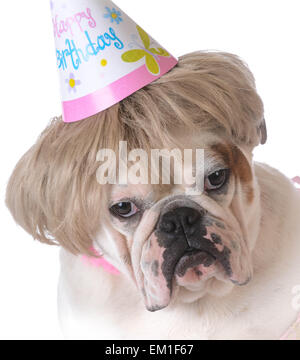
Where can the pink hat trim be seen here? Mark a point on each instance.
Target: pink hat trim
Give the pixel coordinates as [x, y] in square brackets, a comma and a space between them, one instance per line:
[79, 109]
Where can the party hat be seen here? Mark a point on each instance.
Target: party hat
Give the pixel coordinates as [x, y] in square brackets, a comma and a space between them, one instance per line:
[102, 56]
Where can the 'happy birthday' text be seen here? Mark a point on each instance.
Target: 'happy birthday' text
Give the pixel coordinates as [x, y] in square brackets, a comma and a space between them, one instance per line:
[77, 55]
[68, 25]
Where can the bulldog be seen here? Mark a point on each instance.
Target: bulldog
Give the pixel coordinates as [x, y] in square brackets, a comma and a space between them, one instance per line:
[220, 263]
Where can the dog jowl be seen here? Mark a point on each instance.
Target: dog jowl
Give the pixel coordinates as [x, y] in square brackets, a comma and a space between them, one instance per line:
[186, 248]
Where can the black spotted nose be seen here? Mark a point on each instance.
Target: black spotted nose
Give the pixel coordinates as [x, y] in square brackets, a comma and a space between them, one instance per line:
[182, 220]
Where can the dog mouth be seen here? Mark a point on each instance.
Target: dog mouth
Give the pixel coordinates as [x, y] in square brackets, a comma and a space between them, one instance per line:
[194, 259]
[181, 259]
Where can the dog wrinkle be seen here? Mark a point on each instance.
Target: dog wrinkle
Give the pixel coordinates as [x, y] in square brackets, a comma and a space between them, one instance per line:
[216, 238]
[220, 225]
[208, 221]
[154, 267]
[146, 264]
[154, 308]
[241, 284]
[234, 245]
[198, 272]
[169, 263]
[127, 259]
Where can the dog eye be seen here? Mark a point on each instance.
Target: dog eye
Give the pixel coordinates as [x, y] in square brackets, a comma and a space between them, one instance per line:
[217, 179]
[124, 209]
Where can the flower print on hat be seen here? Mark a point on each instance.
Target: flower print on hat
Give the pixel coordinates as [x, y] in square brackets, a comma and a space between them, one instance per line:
[72, 82]
[113, 15]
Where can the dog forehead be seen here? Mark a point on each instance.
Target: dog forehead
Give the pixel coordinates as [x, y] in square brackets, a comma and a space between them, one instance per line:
[120, 191]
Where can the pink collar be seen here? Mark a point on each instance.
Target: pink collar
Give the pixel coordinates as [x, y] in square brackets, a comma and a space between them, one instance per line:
[99, 261]
[296, 180]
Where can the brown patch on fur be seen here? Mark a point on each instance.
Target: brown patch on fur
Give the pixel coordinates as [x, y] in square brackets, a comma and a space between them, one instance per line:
[237, 162]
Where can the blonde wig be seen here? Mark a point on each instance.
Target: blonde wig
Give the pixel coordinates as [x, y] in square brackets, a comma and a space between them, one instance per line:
[53, 192]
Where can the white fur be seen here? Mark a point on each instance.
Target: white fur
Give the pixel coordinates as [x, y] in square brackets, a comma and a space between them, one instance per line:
[96, 304]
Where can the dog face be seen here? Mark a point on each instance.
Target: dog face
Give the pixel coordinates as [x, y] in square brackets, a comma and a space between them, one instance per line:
[196, 243]
[173, 242]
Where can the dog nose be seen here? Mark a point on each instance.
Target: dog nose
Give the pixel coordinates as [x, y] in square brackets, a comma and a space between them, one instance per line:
[179, 221]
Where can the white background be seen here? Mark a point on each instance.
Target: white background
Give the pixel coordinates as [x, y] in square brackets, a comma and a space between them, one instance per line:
[265, 33]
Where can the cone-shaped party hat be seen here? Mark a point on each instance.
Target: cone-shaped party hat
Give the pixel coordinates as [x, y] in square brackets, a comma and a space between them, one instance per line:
[102, 56]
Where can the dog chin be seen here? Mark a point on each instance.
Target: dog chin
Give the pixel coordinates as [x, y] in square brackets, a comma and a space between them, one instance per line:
[217, 285]
[199, 281]
[194, 285]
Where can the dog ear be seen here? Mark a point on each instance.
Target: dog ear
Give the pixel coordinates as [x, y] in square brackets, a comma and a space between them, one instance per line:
[263, 132]
[53, 192]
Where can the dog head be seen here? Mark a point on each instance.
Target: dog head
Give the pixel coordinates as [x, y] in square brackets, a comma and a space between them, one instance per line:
[173, 241]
